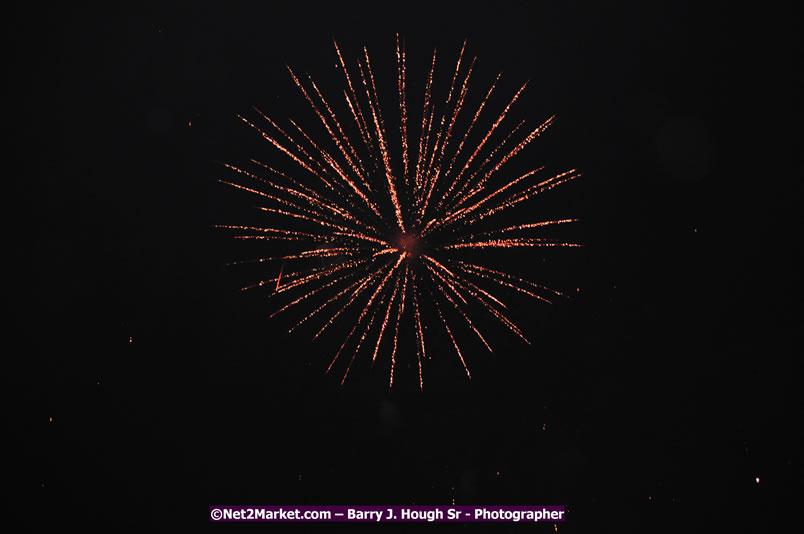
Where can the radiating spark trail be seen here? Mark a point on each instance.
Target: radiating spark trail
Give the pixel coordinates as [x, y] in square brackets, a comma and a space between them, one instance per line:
[357, 293]
[488, 306]
[377, 291]
[385, 320]
[454, 343]
[313, 292]
[375, 113]
[463, 314]
[403, 123]
[494, 126]
[420, 349]
[429, 174]
[427, 120]
[375, 222]
[400, 311]
[485, 271]
[509, 243]
[519, 227]
[361, 340]
[452, 183]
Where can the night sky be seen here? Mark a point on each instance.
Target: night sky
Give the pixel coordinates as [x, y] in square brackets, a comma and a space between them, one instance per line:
[145, 386]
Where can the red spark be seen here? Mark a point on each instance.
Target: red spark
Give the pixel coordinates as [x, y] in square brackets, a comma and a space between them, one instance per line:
[279, 277]
[386, 236]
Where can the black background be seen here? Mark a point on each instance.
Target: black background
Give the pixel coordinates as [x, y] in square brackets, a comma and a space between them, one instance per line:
[651, 401]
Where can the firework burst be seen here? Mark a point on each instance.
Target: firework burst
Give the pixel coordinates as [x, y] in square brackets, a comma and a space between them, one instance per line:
[383, 237]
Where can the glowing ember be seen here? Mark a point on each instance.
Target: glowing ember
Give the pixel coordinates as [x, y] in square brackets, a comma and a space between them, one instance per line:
[381, 238]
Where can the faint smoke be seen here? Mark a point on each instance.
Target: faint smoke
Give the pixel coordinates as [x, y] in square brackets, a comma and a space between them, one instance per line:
[467, 486]
[160, 122]
[389, 417]
[684, 149]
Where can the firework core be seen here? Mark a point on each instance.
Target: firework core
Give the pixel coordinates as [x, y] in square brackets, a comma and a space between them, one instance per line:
[409, 243]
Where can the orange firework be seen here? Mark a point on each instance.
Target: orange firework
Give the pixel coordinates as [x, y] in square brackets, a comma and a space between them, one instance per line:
[384, 236]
